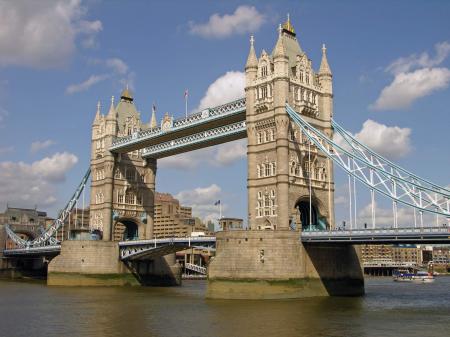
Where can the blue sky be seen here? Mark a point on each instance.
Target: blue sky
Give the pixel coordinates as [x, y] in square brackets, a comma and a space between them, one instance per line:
[390, 63]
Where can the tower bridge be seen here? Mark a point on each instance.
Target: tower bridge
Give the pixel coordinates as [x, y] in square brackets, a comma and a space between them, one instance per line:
[292, 247]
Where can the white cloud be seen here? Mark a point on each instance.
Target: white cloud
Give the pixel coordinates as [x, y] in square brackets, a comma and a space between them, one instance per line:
[409, 87]
[85, 85]
[26, 185]
[245, 19]
[43, 34]
[389, 141]
[117, 65]
[117, 69]
[405, 64]
[226, 88]
[230, 152]
[202, 200]
[217, 156]
[38, 145]
[415, 76]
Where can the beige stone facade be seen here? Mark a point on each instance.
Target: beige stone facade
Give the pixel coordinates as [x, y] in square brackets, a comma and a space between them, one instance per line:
[123, 186]
[174, 220]
[282, 166]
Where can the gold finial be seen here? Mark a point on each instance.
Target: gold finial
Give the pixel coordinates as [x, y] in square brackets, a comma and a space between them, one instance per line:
[324, 49]
[252, 40]
[287, 26]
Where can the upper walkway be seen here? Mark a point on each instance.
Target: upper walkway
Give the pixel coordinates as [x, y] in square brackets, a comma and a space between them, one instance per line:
[206, 120]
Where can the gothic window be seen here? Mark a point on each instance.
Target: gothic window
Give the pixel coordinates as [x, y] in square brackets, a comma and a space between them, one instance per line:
[264, 71]
[272, 193]
[260, 138]
[270, 90]
[264, 92]
[139, 199]
[117, 174]
[130, 198]
[258, 167]
[272, 134]
[301, 76]
[267, 170]
[259, 195]
[314, 99]
[120, 197]
[274, 168]
[130, 174]
[292, 134]
[307, 78]
[292, 168]
[266, 136]
[294, 71]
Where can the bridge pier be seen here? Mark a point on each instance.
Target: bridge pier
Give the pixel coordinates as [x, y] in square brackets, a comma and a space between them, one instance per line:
[97, 263]
[275, 264]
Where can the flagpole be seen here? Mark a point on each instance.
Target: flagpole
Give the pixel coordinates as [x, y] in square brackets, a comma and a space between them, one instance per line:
[186, 94]
[220, 210]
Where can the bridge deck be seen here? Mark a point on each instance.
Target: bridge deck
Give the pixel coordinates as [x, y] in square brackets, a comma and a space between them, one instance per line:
[426, 235]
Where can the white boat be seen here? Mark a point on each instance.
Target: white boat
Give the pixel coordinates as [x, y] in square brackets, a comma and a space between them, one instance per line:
[419, 277]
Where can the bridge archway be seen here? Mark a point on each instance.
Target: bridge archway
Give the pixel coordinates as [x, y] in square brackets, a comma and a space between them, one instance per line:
[127, 229]
[318, 221]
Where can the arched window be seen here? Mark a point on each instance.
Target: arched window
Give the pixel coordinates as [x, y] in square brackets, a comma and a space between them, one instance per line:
[292, 167]
[260, 138]
[258, 168]
[272, 134]
[130, 198]
[267, 170]
[274, 168]
[266, 136]
[301, 76]
[264, 71]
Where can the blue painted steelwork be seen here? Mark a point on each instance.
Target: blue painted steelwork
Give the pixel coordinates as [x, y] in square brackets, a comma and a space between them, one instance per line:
[33, 251]
[142, 249]
[49, 233]
[426, 235]
[375, 172]
[209, 115]
[231, 131]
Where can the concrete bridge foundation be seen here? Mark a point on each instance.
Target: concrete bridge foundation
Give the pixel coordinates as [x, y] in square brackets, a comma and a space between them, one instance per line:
[275, 264]
[97, 263]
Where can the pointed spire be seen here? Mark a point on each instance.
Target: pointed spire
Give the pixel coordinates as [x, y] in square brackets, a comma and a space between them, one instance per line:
[252, 61]
[287, 26]
[153, 123]
[112, 111]
[126, 94]
[324, 66]
[97, 114]
[279, 50]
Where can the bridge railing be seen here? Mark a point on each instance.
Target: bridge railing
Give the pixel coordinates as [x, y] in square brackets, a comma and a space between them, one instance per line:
[180, 123]
[378, 231]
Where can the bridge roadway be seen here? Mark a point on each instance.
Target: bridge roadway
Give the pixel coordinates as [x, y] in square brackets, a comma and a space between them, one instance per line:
[220, 119]
[424, 235]
[148, 249]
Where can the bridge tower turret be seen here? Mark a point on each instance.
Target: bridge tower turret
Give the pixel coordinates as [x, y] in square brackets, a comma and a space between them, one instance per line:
[290, 184]
[123, 186]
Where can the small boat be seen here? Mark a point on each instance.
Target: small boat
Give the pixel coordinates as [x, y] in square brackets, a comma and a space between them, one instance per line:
[407, 276]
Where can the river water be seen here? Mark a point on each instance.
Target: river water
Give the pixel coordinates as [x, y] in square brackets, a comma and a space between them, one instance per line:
[388, 309]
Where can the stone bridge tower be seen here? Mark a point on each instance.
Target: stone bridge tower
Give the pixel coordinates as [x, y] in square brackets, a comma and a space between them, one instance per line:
[286, 174]
[123, 185]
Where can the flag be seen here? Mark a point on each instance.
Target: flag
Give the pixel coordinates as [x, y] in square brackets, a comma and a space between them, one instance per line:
[186, 94]
[217, 203]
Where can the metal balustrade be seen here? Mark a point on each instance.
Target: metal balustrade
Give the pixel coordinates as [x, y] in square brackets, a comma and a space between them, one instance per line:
[194, 120]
